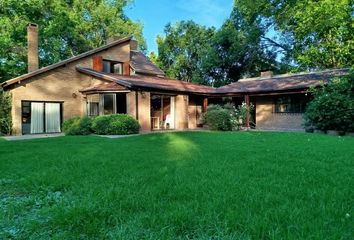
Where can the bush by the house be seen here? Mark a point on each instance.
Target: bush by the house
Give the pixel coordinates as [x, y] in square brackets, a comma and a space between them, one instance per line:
[5, 113]
[218, 118]
[332, 107]
[226, 117]
[117, 124]
[77, 126]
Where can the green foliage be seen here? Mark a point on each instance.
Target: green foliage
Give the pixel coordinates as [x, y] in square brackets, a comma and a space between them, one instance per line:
[117, 124]
[77, 126]
[332, 107]
[235, 51]
[181, 50]
[5, 113]
[66, 28]
[195, 53]
[218, 118]
[186, 185]
[227, 117]
[316, 34]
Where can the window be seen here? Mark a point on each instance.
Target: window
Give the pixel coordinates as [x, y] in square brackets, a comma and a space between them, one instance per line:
[105, 104]
[109, 106]
[93, 102]
[112, 67]
[290, 104]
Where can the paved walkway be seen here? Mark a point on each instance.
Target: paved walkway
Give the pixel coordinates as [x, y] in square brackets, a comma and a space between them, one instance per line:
[33, 136]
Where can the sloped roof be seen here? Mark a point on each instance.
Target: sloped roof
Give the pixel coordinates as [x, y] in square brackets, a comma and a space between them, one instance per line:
[150, 82]
[64, 62]
[141, 64]
[283, 82]
[105, 87]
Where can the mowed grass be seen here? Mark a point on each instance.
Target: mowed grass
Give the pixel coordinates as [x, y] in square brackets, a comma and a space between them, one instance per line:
[192, 185]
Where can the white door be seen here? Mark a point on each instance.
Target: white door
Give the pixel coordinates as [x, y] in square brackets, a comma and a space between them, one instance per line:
[52, 117]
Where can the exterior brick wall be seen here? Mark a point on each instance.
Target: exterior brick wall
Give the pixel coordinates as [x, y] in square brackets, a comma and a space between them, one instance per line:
[181, 112]
[267, 119]
[144, 111]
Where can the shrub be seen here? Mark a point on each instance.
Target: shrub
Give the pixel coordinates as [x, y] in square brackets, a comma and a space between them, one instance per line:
[218, 118]
[227, 117]
[5, 113]
[78, 126]
[117, 124]
[332, 107]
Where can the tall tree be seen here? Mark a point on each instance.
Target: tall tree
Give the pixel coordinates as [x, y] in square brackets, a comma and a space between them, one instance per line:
[66, 28]
[237, 50]
[316, 34]
[181, 50]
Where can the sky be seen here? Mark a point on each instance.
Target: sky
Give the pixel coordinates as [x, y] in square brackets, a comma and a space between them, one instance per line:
[155, 14]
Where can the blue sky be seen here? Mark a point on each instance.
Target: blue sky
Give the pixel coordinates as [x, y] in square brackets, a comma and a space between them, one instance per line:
[155, 14]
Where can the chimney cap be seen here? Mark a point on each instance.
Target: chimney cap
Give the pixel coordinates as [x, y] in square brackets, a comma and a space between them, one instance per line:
[32, 25]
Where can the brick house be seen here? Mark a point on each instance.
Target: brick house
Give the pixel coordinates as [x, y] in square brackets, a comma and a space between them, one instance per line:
[117, 78]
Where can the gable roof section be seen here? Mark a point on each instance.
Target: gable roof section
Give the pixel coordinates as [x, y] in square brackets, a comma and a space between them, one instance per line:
[141, 64]
[64, 62]
[283, 82]
[150, 82]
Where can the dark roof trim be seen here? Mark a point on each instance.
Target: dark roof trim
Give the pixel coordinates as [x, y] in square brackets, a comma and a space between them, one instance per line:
[64, 62]
[136, 86]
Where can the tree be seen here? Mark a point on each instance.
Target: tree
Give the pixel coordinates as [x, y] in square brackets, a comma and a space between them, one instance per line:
[315, 34]
[5, 113]
[236, 50]
[66, 28]
[333, 106]
[181, 50]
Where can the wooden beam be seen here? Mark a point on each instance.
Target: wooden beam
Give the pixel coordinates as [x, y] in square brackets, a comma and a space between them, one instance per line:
[247, 101]
[205, 104]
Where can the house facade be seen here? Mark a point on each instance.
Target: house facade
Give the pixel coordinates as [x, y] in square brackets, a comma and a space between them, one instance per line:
[118, 78]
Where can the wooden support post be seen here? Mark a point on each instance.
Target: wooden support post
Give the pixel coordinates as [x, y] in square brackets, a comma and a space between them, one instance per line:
[247, 101]
[205, 104]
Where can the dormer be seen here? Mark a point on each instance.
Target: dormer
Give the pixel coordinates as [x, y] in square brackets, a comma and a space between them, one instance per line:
[130, 61]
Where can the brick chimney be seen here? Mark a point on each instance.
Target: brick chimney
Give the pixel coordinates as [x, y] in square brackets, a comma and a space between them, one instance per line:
[32, 45]
[267, 74]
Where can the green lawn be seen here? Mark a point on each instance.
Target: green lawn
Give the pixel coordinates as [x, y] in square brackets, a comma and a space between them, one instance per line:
[245, 185]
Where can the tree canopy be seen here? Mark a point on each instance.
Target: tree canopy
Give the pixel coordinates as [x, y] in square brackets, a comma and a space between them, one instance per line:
[66, 28]
[315, 34]
[182, 48]
[279, 35]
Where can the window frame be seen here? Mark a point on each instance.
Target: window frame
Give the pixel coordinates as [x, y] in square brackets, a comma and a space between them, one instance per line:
[112, 68]
[296, 104]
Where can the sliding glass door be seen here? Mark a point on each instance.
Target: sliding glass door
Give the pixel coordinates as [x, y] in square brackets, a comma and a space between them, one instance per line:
[162, 112]
[41, 117]
[37, 117]
[52, 117]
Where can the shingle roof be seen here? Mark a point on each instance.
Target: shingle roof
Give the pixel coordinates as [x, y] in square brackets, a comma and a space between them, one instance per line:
[141, 64]
[104, 87]
[281, 82]
[64, 62]
[150, 82]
